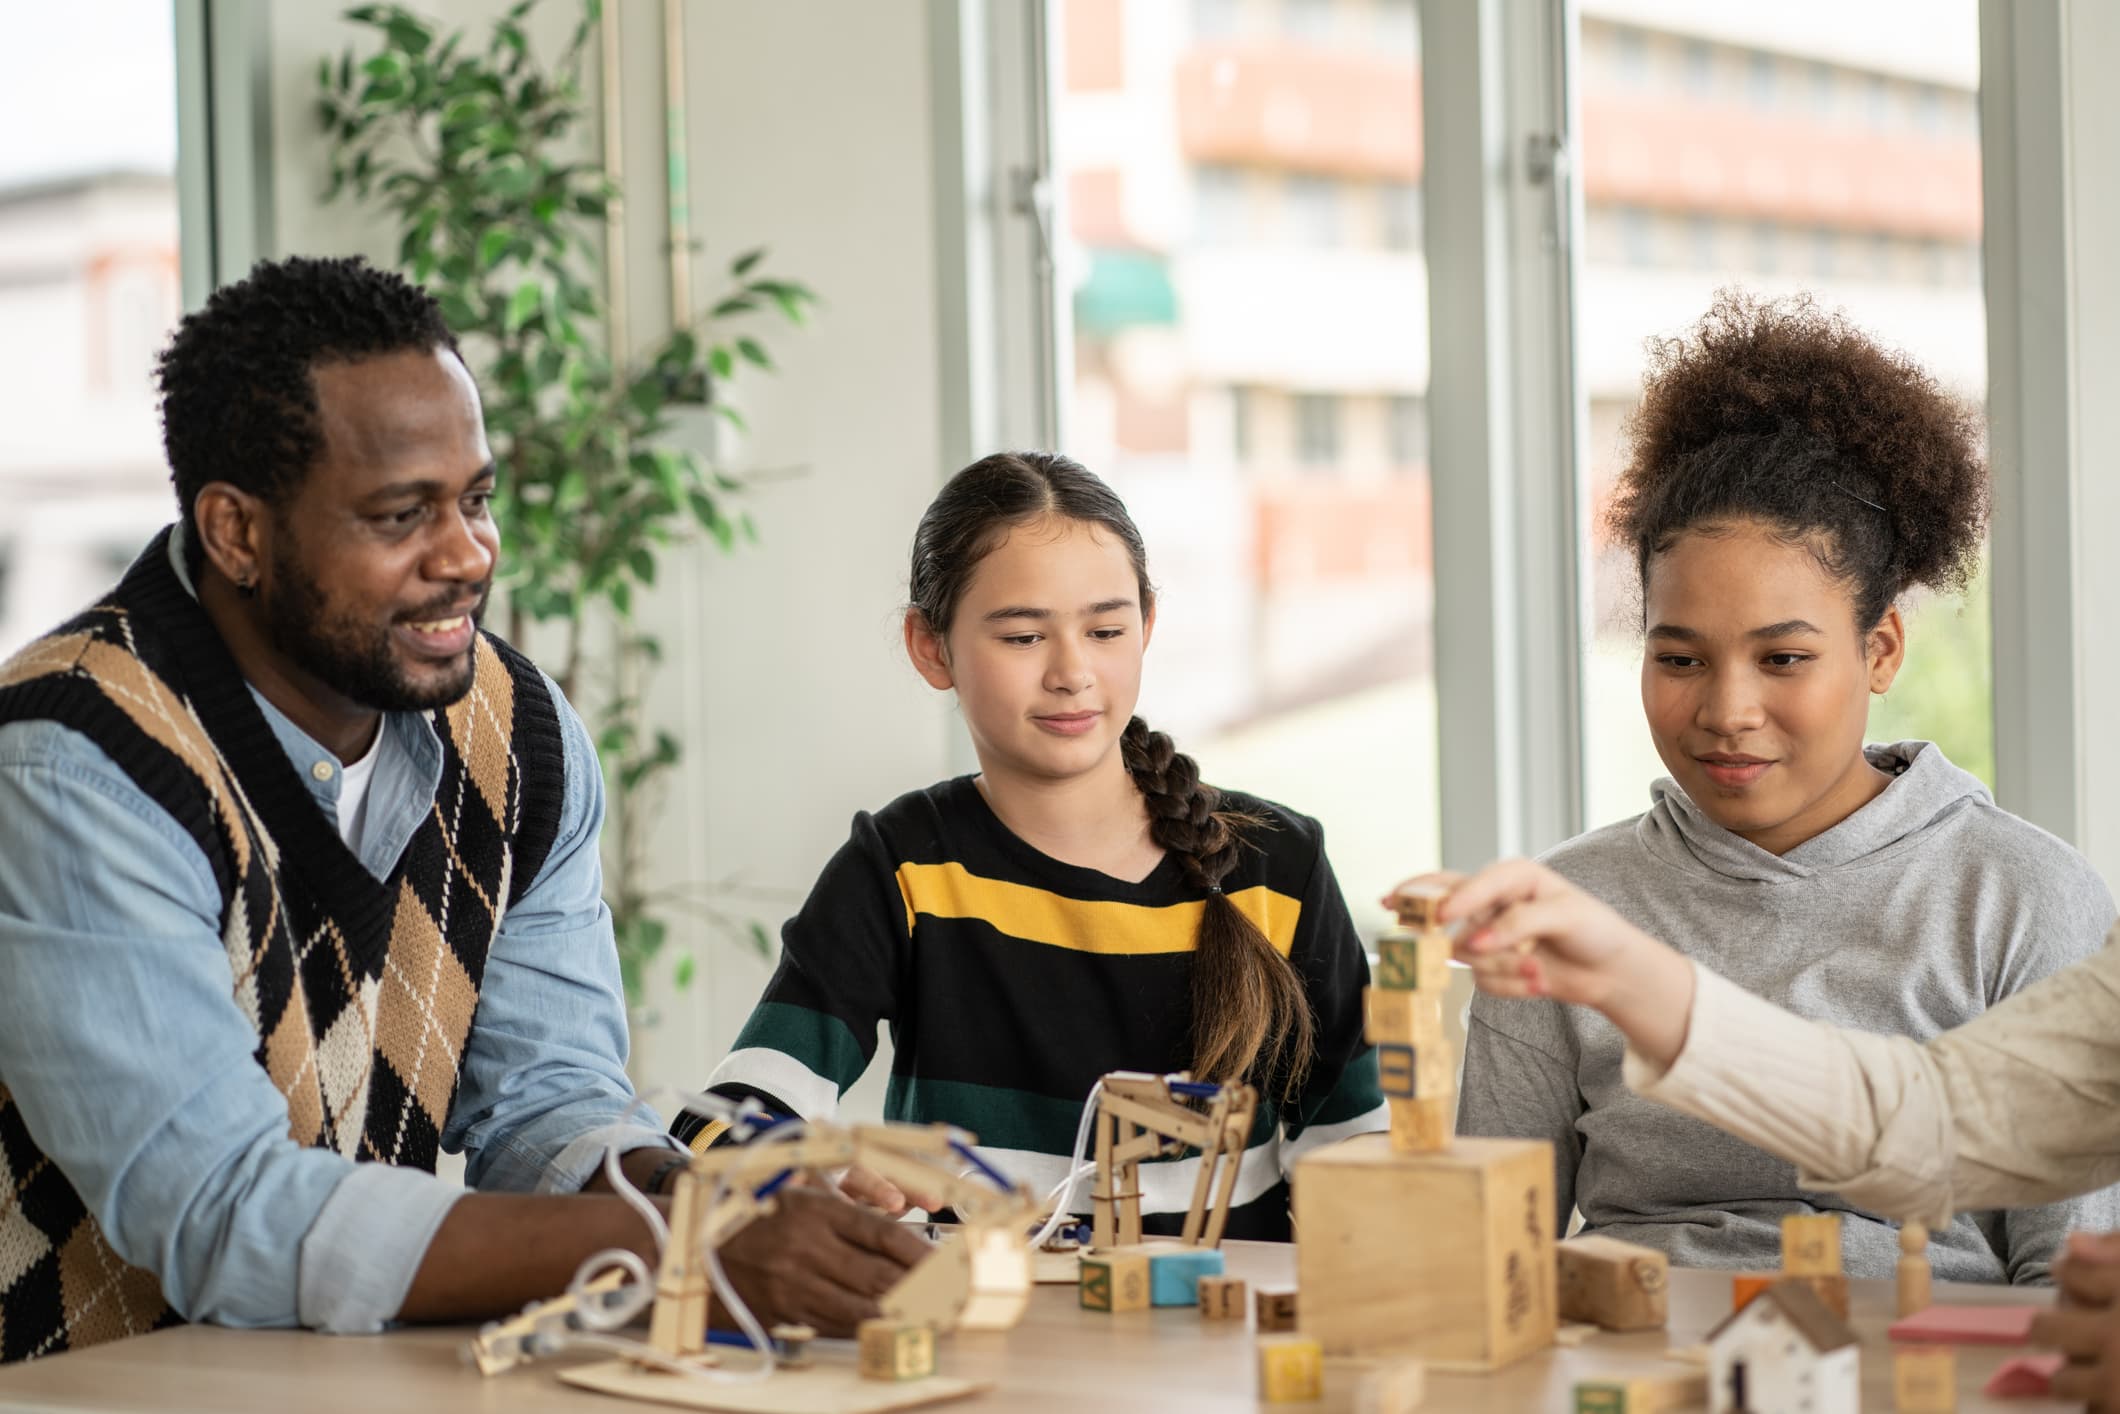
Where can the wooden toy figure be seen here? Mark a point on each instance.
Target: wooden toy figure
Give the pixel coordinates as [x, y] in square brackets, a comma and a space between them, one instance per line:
[1914, 1296]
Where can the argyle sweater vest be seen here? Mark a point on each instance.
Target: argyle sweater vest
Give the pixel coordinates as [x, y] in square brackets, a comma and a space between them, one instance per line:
[362, 992]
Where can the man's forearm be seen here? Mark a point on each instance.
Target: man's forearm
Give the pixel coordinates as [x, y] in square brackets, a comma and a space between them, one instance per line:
[497, 1252]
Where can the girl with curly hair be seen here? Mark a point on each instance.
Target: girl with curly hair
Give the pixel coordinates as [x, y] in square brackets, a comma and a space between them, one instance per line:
[1790, 483]
[1084, 904]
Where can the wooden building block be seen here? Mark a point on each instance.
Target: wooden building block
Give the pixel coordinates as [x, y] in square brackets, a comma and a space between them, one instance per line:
[1397, 1387]
[1413, 962]
[1412, 1073]
[1424, 1125]
[1810, 1245]
[1394, 1016]
[1925, 1379]
[1746, 1285]
[1967, 1325]
[1291, 1370]
[1448, 1256]
[1276, 1310]
[1648, 1394]
[2026, 1377]
[1222, 1298]
[1421, 906]
[1621, 1286]
[897, 1350]
[1115, 1281]
[1174, 1274]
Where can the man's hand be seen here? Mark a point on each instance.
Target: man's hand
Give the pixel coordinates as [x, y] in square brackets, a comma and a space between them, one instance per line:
[2090, 1338]
[819, 1260]
[878, 1192]
[2088, 1271]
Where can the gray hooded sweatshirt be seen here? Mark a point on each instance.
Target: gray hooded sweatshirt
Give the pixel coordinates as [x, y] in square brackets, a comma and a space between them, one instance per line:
[1913, 915]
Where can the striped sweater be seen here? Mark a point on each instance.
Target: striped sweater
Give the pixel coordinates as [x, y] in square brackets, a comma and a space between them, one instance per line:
[1011, 981]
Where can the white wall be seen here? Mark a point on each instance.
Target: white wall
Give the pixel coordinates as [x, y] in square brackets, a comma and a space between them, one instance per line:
[810, 132]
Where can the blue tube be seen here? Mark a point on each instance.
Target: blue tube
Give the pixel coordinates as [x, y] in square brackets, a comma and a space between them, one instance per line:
[774, 1184]
[1193, 1089]
[971, 1156]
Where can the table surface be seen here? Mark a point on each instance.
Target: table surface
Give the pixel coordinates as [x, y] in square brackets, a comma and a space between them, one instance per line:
[1060, 1358]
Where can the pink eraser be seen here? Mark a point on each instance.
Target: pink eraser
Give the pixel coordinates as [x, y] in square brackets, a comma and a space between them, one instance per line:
[1967, 1325]
[2026, 1377]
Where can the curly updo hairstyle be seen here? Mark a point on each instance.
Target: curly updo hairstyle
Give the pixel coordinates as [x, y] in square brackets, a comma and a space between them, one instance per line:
[1250, 1015]
[1778, 412]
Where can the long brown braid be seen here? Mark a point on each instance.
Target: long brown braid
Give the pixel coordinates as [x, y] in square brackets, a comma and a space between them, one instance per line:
[1251, 1018]
[1250, 1014]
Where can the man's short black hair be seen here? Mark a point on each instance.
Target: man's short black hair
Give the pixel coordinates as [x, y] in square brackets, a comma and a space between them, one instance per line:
[238, 402]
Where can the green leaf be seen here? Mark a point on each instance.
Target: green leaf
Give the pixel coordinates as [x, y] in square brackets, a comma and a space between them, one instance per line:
[641, 563]
[721, 361]
[682, 975]
[731, 416]
[752, 350]
[493, 246]
[744, 263]
[526, 301]
[760, 942]
[408, 34]
[734, 304]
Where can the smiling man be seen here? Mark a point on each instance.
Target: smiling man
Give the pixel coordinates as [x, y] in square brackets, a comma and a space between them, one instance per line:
[299, 886]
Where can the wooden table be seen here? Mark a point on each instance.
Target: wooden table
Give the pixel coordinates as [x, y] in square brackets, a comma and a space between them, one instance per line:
[1061, 1358]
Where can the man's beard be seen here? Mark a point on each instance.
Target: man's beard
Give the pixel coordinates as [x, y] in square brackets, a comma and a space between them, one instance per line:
[351, 657]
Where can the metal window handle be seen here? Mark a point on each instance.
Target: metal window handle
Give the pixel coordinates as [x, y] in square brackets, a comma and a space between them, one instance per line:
[1031, 194]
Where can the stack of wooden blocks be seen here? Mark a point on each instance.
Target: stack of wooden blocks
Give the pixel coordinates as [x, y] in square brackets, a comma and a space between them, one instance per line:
[1421, 1243]
[1403, 1018]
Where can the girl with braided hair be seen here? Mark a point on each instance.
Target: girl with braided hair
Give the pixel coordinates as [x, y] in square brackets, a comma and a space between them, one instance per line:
[1790, 481]
[1084, 904]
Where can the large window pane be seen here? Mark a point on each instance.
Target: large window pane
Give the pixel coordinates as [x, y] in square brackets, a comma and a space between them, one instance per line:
[88, 292]
[1798, 146]
[1242, 260]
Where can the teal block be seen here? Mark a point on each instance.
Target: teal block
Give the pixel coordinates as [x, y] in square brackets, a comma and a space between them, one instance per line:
[1174, 1276]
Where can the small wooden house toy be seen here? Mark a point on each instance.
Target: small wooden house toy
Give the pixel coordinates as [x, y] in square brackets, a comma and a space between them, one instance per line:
[1784, 1353]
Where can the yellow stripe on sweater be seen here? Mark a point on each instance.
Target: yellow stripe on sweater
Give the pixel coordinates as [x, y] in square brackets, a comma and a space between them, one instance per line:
[1082, 925]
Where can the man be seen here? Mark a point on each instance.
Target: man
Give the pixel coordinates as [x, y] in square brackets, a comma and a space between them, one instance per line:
[299, 885]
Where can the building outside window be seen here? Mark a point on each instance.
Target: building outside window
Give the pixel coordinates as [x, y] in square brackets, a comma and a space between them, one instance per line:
[89, 291]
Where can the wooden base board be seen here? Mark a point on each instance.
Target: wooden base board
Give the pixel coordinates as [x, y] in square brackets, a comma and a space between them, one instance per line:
[836, 1389]
[1057, 1268]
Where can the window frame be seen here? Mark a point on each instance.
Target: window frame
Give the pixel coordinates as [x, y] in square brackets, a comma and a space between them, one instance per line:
[1503, 213]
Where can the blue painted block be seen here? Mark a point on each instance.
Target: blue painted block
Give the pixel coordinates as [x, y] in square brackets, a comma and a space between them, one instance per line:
[1174, 1276]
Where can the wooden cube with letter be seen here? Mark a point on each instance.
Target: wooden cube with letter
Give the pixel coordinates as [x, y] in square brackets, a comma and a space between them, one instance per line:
[1446, 1255]
[1222, 1298]
[897, 1350]
[1115, 1281]
[1810, 1245]
[1621, 1286]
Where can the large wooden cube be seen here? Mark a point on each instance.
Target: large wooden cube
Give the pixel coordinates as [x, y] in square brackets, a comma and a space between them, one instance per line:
[1446, 1255]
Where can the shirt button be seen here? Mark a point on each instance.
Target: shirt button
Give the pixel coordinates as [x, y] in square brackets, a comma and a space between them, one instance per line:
[322, 770]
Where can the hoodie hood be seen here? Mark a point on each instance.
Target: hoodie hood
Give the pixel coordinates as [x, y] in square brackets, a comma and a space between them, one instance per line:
[1926, 789]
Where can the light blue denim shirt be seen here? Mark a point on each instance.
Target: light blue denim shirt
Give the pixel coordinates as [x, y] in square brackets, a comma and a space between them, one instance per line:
[134, 1069]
